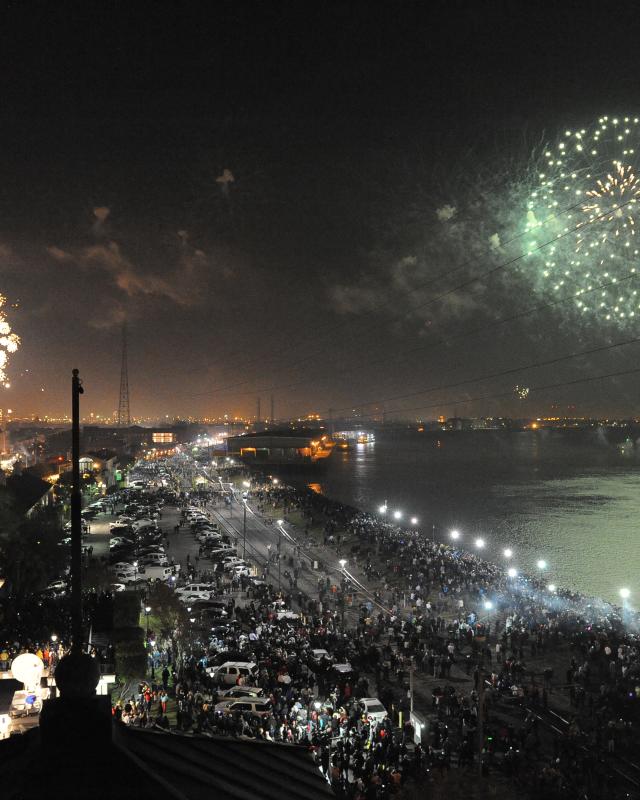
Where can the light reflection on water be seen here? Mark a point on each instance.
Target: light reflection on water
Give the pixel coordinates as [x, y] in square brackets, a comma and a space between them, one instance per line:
[571, 498]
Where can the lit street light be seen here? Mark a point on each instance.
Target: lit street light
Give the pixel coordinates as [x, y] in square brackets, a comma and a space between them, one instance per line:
[397, 514]
[512, 572]
[488, 605]
[454, 535]
[625, 594]
[383, 509]
[507, 552]
[479, 543]
[542, 564]
[54, 637]
[414, 520]
[343, 564]
[147, 611]
[551, 587]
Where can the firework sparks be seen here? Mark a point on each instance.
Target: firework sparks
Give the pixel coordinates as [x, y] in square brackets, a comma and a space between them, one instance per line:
[9, 343]
[521, 392]
[587, 200]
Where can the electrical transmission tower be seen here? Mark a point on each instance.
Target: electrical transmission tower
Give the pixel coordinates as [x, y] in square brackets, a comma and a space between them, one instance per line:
[124, 417]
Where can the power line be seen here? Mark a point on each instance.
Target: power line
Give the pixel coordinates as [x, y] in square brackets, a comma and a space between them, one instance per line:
[430, 345]
[562, 384]
[500, 374]
[334, 327]
[448, 292]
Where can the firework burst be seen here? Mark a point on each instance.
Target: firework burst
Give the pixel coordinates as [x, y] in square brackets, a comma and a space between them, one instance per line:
[9, 343]
[521, 392]
[586, 203]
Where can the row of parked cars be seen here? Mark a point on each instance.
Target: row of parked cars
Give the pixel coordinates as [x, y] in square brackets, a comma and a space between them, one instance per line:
[216, 545]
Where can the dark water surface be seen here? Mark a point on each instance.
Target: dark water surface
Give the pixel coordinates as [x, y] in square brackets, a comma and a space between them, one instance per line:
[569, 497]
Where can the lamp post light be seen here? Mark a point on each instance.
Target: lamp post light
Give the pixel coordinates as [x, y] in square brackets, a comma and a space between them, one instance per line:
[507, 552]
[280, 531]
[479, 543]
[147, 611]
[135, 571]
[343, 564]
[244, 528]
[54, 637]
[541, 563]
[414, 521]
[625, 594]
[397, 514]
[551, 587]
[488, 605]
[153, 663]
[383, 508]
[512, 572]
[455, 535]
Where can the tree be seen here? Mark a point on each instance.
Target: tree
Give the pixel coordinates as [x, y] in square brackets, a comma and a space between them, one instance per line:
[169, 615]
[30, 554]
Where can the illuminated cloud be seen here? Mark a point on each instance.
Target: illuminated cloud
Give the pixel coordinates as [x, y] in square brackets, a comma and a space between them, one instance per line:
[180, 285]
[446, 213]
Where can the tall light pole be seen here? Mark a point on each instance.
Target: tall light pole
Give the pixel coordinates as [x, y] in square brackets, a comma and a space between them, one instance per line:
[279, 553]
[244, 529]
[343, 564]
[147, 610]
[76, 517]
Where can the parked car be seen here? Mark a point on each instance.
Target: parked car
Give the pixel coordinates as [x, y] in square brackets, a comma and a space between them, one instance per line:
[229, 672]
[253, 705]
[373, 708]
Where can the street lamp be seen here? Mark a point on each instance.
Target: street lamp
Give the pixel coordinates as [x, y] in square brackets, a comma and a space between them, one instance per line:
[414, 520]
[280, 532]
[479, 543]
[54, 637]
[383, 508]
[551, 587]
[625, 594]
[147, 610]
[343, 564]
[488, 605]
[397, 514]
[507, 552]
[512, 572]
[455, 535]
[541, 563]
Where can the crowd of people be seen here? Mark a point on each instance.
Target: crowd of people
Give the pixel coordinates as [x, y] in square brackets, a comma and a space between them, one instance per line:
[483, 658]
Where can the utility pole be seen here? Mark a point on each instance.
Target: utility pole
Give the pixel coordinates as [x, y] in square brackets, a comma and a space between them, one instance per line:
[76, 517]
[244, 529]
[411, 670]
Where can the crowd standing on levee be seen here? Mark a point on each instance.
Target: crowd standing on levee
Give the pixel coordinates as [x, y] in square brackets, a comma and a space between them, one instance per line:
[532, 688]
[490, 658]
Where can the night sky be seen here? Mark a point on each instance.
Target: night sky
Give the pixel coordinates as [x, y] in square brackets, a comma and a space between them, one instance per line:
[260, 189]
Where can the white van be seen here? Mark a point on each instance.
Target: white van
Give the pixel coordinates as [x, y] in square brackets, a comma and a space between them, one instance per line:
[158, 573]
[196, 587]
[229, 672]
[155, 560]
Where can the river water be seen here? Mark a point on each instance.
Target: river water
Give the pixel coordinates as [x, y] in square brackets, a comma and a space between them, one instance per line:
[571, 498]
